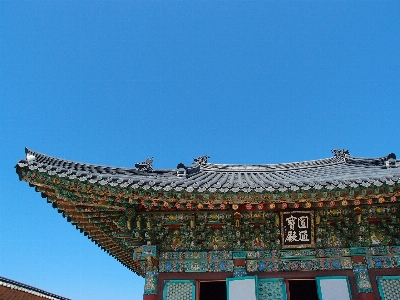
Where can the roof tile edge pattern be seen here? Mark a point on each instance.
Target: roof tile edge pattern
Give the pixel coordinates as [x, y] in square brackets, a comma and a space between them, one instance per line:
[15, 285]
[341, 171]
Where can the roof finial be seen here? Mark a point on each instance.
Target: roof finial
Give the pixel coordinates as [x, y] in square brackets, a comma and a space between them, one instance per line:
[145, 166]
[340, 152]
[30, 157]
[391, 161]
[201, 160]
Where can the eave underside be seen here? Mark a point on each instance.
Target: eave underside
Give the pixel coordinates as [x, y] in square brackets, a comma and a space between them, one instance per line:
[105, 213]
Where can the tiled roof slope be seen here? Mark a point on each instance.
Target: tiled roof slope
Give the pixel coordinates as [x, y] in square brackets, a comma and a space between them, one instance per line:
[340, 171]
[13, 290]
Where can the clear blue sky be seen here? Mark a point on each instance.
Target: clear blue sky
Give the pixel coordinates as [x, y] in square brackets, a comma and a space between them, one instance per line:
[115, 82]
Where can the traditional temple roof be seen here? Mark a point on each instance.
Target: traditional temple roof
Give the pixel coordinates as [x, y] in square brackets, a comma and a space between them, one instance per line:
[340, 171]
[13, 290]
[107, 203]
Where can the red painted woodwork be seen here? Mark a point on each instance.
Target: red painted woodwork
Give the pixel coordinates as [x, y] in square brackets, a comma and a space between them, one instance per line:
[357, 258]
[210, 276]
[239, 262]
[150, 297]
[366, 296]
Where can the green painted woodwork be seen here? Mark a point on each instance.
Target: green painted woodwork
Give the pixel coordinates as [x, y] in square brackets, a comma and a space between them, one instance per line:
[179, 290]
[389, 287]
[345, 221]
[271, 289]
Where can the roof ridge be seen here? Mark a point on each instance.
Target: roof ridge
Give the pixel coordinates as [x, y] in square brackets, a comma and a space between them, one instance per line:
[340, 156]
[303, 164]
[339, 171]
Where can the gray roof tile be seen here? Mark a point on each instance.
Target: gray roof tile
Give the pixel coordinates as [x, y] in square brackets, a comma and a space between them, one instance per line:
[339, 171]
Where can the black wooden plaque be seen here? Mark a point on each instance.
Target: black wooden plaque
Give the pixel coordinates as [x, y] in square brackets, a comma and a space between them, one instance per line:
[297, 229]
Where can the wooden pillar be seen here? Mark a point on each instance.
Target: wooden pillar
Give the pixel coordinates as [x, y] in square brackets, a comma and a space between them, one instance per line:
[239, 262]
[149, 253]
[366, 296]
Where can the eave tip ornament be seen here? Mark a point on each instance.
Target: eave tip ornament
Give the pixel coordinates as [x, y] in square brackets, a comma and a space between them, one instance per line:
[29, 156]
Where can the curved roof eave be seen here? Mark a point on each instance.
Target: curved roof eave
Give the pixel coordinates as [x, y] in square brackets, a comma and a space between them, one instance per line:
[338, 171]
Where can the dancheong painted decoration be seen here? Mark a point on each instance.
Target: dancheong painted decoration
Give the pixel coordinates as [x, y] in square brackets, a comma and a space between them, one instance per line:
[224, 231]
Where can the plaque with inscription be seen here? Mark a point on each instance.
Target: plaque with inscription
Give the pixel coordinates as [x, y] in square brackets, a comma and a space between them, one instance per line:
[297, 229]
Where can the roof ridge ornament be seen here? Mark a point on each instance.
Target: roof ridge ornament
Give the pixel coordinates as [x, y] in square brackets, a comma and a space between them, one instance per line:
[145, 166]
[390, 161]
[29, 156]
[340, 153]
[201, 160]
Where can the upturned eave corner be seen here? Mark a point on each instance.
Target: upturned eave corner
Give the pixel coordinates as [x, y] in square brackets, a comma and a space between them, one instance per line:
[122, 210]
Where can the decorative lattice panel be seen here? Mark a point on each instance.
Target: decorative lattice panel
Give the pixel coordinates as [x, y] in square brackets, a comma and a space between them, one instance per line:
[389, 287]
[179, 290]
[273, 289]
